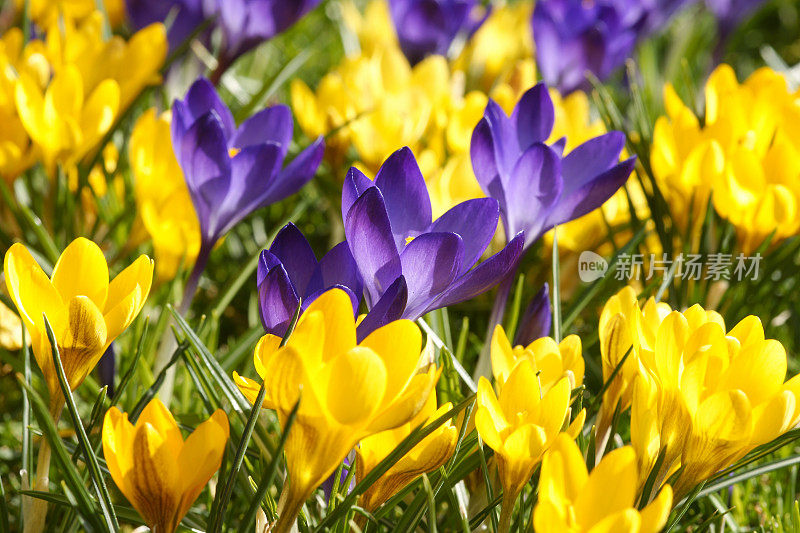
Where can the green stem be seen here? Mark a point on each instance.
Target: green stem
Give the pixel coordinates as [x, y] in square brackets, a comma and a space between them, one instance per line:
[36, 510]
[506, 512]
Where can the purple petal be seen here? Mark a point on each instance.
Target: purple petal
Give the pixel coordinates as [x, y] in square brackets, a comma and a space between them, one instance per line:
[430, 264]
[535, 322]
[484, 276]
[405, 194]
[482, 152]
[338, 267]
[476, 222]
[253, 172]
[590, 158]
[592, 194]
[534, 186]
[355, 183]
[202, 98]
[297, 173]
[206, 166]
[277, 298]
[504, 137]
[292, 249]
[535, 116]
[273, 124]
[389, 308]
[369, 235]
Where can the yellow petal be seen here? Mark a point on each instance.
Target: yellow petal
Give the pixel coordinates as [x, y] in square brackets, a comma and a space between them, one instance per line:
[356, 387]
[201, 456]
[82, 271]
[501, 354]
[626, 520]
[340, 328]
[118, 436]
[154, 479]
[595, 502]
[521, 393]
[83, 340]
[250, 390]
[489, 417]
[409, 403]
[553, 408]
[563, 473]
[398, 344]
[157, 415]
[656, 513]
[30, 288]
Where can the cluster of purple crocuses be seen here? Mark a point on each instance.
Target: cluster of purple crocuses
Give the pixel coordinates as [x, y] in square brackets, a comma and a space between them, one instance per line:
[242, 24]
[572, 37]
[402, 262]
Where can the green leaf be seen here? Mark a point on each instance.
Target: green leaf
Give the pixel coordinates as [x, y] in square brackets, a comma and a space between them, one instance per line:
[88, 452]
[84, 504]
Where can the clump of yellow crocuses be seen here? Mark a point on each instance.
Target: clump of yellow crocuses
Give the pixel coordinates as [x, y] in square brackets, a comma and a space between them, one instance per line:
[347, 390]
[575, 500]
[159, 472]
[66, 90]
[745, 148]
[701, 395]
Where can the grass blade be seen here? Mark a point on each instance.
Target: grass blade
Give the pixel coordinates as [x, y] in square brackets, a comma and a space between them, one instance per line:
[91, 459]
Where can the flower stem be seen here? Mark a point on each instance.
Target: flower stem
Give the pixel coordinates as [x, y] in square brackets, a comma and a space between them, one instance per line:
[36, 510]
[289, 506]
[484, 366]
[168, 342]
[506, 512]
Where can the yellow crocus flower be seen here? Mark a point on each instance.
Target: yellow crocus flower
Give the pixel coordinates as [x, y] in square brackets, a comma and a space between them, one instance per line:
[157, 471]
[704, 395]
[627, 332]
[428, 455]
[504, 39]
[572, 500]
[132, 64]
[64, 121]
[552, 360]
[85, 310]
[43, 12]
[747, 150]
[520, 425]
[162, 198]
[347, 390]
[16, 150]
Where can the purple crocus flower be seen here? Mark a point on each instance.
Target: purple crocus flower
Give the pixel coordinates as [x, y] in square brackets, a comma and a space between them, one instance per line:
[573, 36]
[186, 16]
[536, 320]
[247, 23]
[289, 271]
[233, 171]
[400, 252]
[536, 187]
[426, 27]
